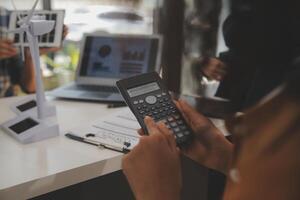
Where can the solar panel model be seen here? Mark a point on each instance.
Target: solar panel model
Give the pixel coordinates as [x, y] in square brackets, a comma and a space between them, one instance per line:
[52, 39]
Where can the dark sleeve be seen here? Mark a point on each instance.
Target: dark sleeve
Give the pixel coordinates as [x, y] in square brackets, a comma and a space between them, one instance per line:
[216, 185]
[295, 31]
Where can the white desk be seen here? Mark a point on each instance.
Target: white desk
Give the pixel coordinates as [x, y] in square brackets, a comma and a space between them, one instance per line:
[31, 170]
[28, 171]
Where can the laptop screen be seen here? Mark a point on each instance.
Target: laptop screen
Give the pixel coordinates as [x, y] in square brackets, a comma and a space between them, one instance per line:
[118, 56]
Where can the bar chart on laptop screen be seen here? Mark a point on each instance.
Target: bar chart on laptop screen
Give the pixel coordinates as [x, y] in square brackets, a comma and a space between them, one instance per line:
[118, 57]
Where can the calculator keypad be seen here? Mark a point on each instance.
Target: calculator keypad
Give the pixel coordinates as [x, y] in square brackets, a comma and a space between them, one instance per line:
[161, 108]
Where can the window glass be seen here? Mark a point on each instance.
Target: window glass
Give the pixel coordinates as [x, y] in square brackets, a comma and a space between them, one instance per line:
[112, 16]
[88, 16]
[20, 4]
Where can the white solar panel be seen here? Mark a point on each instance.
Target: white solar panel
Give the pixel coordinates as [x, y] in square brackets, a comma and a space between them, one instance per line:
[52, 39]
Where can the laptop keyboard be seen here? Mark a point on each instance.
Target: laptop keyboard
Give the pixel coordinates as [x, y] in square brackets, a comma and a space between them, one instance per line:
[94, 88]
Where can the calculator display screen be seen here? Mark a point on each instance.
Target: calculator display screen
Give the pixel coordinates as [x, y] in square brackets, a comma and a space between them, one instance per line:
[143, 89]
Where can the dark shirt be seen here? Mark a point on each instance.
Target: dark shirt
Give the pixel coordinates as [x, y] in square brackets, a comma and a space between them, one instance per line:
[263, 37]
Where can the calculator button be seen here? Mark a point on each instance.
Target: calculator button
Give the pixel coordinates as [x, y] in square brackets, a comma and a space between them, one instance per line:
[151, 100]
[164, 94]
[180, 135]
[135, 102]
[139, 107]
[153, 108]
[142, 112]
[182, 127]
[158, 96]
[180, 122]
[171, 107]
[157, 117]
[160, 101]
[176, 130]
[141, 101]
[166, 99]
[173, 124]
[186, 133]
[170, 119]
[176, 117]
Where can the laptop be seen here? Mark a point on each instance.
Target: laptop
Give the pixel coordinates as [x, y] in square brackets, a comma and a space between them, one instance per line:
[107, 58]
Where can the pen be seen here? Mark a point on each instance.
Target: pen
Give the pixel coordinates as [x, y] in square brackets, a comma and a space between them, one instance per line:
[96, 143]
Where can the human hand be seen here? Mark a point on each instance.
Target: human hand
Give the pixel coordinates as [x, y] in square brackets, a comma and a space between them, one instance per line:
[213, 68]
[7, 50]
[153, 167]
[209, 147]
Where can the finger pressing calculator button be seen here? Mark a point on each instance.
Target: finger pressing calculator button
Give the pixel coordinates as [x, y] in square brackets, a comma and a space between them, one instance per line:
[151, 100]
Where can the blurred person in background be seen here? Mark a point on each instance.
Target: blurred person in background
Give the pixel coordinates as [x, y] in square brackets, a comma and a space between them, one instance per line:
[14, 71]
[263, 38]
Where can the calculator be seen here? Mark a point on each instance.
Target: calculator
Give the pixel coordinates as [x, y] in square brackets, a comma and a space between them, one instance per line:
[146, 95]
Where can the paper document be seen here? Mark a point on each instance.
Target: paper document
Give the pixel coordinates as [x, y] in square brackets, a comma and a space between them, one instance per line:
[114, 129]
